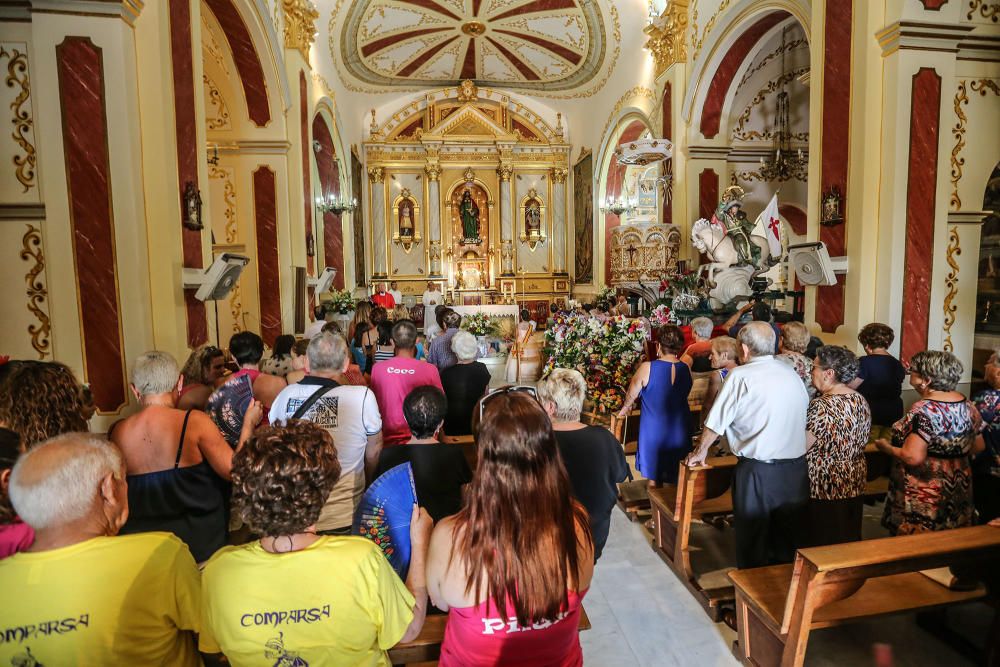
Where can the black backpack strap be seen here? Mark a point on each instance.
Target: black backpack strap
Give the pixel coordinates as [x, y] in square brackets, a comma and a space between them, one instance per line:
[325, 385]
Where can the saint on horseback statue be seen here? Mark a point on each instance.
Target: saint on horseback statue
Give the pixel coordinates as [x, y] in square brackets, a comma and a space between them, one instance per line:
[730, 216]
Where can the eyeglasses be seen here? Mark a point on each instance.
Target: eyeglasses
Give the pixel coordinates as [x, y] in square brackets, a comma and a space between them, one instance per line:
[505, 390]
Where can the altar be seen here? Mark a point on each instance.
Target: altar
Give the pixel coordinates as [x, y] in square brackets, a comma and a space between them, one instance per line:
[498, 310]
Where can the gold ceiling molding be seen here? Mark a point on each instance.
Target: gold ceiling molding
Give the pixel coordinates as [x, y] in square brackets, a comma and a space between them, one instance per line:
[617, 33]
[981, 86]
[739, 130]
[17, 77]
[951, 282]
[324, 84]
[31, 251]
[638, 91]
[698, 41]
[300, 25]
[990, 11]
[219, 118]
[668, 36]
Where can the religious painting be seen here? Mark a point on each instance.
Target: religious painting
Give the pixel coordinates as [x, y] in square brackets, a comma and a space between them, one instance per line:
[470, 214]
[357, 221]
[583, 211]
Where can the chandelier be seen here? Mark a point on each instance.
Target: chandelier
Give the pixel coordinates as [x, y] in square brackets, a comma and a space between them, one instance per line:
[337, 205]
[619, 205]
[783, 163]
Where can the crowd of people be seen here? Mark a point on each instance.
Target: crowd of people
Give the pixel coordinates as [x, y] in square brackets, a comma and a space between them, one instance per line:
[216, 519]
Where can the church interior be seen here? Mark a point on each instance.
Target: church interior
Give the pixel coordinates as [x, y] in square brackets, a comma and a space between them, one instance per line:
[176, 172]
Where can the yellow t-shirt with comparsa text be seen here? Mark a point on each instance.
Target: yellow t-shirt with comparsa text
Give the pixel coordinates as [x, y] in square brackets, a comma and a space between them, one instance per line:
[336, 602]
[128, 600]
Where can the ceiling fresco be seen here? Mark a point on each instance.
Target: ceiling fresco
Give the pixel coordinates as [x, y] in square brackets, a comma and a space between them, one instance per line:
[546, 45]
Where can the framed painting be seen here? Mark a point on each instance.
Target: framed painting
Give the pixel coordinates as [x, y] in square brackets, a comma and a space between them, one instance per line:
[583, 218]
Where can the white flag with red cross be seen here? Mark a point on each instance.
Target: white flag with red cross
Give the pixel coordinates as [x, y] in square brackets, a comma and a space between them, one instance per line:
[768, 225]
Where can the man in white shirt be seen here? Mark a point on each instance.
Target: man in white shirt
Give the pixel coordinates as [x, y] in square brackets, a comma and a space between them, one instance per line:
[762, 411]
[397, 296]
[319, 312]
[431, 297]
[349, 413]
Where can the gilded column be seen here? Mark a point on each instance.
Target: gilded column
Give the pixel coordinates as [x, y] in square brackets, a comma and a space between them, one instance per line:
[559, 175]
[377, 177]
[505, 171]
[433, 172]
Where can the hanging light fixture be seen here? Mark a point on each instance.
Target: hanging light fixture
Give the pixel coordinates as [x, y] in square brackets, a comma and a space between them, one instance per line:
[337, 205]
[783, 164]
[621, 204]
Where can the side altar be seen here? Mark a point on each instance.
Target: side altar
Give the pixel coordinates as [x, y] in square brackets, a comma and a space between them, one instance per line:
[468, 188]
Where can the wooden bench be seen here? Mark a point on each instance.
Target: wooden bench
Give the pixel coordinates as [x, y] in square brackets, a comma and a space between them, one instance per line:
[777, 606]
[426, 648]
[468, 444]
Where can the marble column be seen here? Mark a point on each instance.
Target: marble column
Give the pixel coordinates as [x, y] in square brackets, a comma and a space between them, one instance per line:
[377, 177]
[559, 175]
[434, 218]
[505, 171]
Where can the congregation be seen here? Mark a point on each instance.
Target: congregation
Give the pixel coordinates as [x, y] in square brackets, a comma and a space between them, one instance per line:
[215, 523]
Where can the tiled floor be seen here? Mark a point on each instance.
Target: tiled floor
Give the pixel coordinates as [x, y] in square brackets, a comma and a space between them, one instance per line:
[643, 616]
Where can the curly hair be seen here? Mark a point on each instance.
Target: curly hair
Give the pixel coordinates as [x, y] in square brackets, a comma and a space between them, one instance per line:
[795, 337]
[41, 400]
[840, 360]
[942, 370]
[876, 335]
[283, 476]
[199, 363]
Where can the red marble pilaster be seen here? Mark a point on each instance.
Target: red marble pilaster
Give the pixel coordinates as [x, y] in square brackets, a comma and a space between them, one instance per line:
[80, 66]
[268, 281]
[711, 113]
[187, 155]
[307, 199]
[246, 59]
[935, 5]
[329, 181]
[668, 134]
[708, 193]
[921, 191]
[835, 149]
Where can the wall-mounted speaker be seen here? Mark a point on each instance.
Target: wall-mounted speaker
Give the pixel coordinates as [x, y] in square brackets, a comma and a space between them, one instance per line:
[218, 280]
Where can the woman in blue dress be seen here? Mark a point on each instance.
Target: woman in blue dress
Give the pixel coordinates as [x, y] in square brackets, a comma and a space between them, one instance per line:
[662, 386]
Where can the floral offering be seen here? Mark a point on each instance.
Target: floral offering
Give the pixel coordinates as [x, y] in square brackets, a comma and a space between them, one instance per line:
[479, 324]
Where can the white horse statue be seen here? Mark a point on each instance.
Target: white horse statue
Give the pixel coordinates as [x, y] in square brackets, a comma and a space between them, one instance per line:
[726, 279]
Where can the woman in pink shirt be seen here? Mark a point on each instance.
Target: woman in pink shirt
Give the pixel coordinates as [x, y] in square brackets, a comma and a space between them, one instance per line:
[15, 535]
[513, 566]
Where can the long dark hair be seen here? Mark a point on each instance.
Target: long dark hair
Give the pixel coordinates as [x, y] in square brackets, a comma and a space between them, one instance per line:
[520, 510]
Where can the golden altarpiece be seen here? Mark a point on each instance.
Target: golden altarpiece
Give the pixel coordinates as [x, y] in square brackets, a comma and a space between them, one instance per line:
[467, 187]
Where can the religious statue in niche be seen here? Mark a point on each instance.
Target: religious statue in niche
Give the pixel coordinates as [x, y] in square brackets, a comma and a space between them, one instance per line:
[406, 218]
[469, 213]
[533, 218]
[406, 232]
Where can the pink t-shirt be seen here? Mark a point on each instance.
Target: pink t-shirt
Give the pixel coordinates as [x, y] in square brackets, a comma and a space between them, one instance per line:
[480, 636]
[15, 537]
[392, 380]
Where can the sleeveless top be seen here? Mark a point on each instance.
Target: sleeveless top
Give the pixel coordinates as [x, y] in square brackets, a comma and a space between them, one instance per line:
[190, 502]
[480, 636]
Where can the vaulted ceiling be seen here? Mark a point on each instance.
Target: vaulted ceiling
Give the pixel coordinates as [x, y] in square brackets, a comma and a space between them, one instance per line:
[519, 44]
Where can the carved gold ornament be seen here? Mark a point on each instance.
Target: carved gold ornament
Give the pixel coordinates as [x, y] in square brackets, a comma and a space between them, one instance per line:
[218, 119]
[667, 36]
[505, 171]
[987, 10]
[376, 174]
[31, 250]
[300, 25]
[981, 86]
[433, 172]
[559, 174]
[17, 76]
[951, 282]
[467, 91]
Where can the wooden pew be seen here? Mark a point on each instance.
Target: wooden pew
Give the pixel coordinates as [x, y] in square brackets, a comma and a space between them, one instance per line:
[632, 496]
[777, 606]
[701, 493]
[468, 444]
[426, 648]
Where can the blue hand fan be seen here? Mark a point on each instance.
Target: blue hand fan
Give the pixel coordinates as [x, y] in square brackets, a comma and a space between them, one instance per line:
[383, 515]
[227, 406]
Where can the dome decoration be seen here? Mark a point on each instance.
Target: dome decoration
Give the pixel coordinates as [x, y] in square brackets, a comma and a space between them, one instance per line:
[525, 44]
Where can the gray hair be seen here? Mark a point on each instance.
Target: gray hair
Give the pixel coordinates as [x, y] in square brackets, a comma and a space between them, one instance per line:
[53, 488]
[327, 352]
[758, 337]
[840, 360]
[795, 337]
[155, 372]
[465, 346]
[565, 389]
[942, 370]
[702, 327]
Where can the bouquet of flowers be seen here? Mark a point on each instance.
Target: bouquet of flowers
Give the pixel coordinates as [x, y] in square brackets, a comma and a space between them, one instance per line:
[479, 324]
[605, 298]
[662, 315]
[342, 301]
[606, 353]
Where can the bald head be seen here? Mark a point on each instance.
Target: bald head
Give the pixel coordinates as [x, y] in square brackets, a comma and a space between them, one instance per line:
[758, 337]
[59, 481]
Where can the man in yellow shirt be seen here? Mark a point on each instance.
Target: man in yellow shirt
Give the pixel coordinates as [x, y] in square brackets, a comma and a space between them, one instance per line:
[80, 595]
[297, 598]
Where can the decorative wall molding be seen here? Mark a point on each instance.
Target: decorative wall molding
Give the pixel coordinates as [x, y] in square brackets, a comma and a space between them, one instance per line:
[127, 10]
[789, 46]
[987, 10]
[951, 283]
[637, 92]
[739, 130]
[981, 86]
[300, 25]
[217, 113]
[17, 77]
[31, 251]
[698, 41]
[922, 36]
[22, 212]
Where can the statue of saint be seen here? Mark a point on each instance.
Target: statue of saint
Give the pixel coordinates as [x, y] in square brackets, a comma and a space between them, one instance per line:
[469, 213]
[405, 218]
[730, 216]
[532, 219]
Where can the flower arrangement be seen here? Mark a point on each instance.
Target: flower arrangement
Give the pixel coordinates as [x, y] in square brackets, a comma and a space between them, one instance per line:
[605, 298]
[606, 353]
[342, 301]
[662, 315]
[479, 324]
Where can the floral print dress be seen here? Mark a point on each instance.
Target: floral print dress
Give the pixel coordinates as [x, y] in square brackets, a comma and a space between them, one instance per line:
[937, 494]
